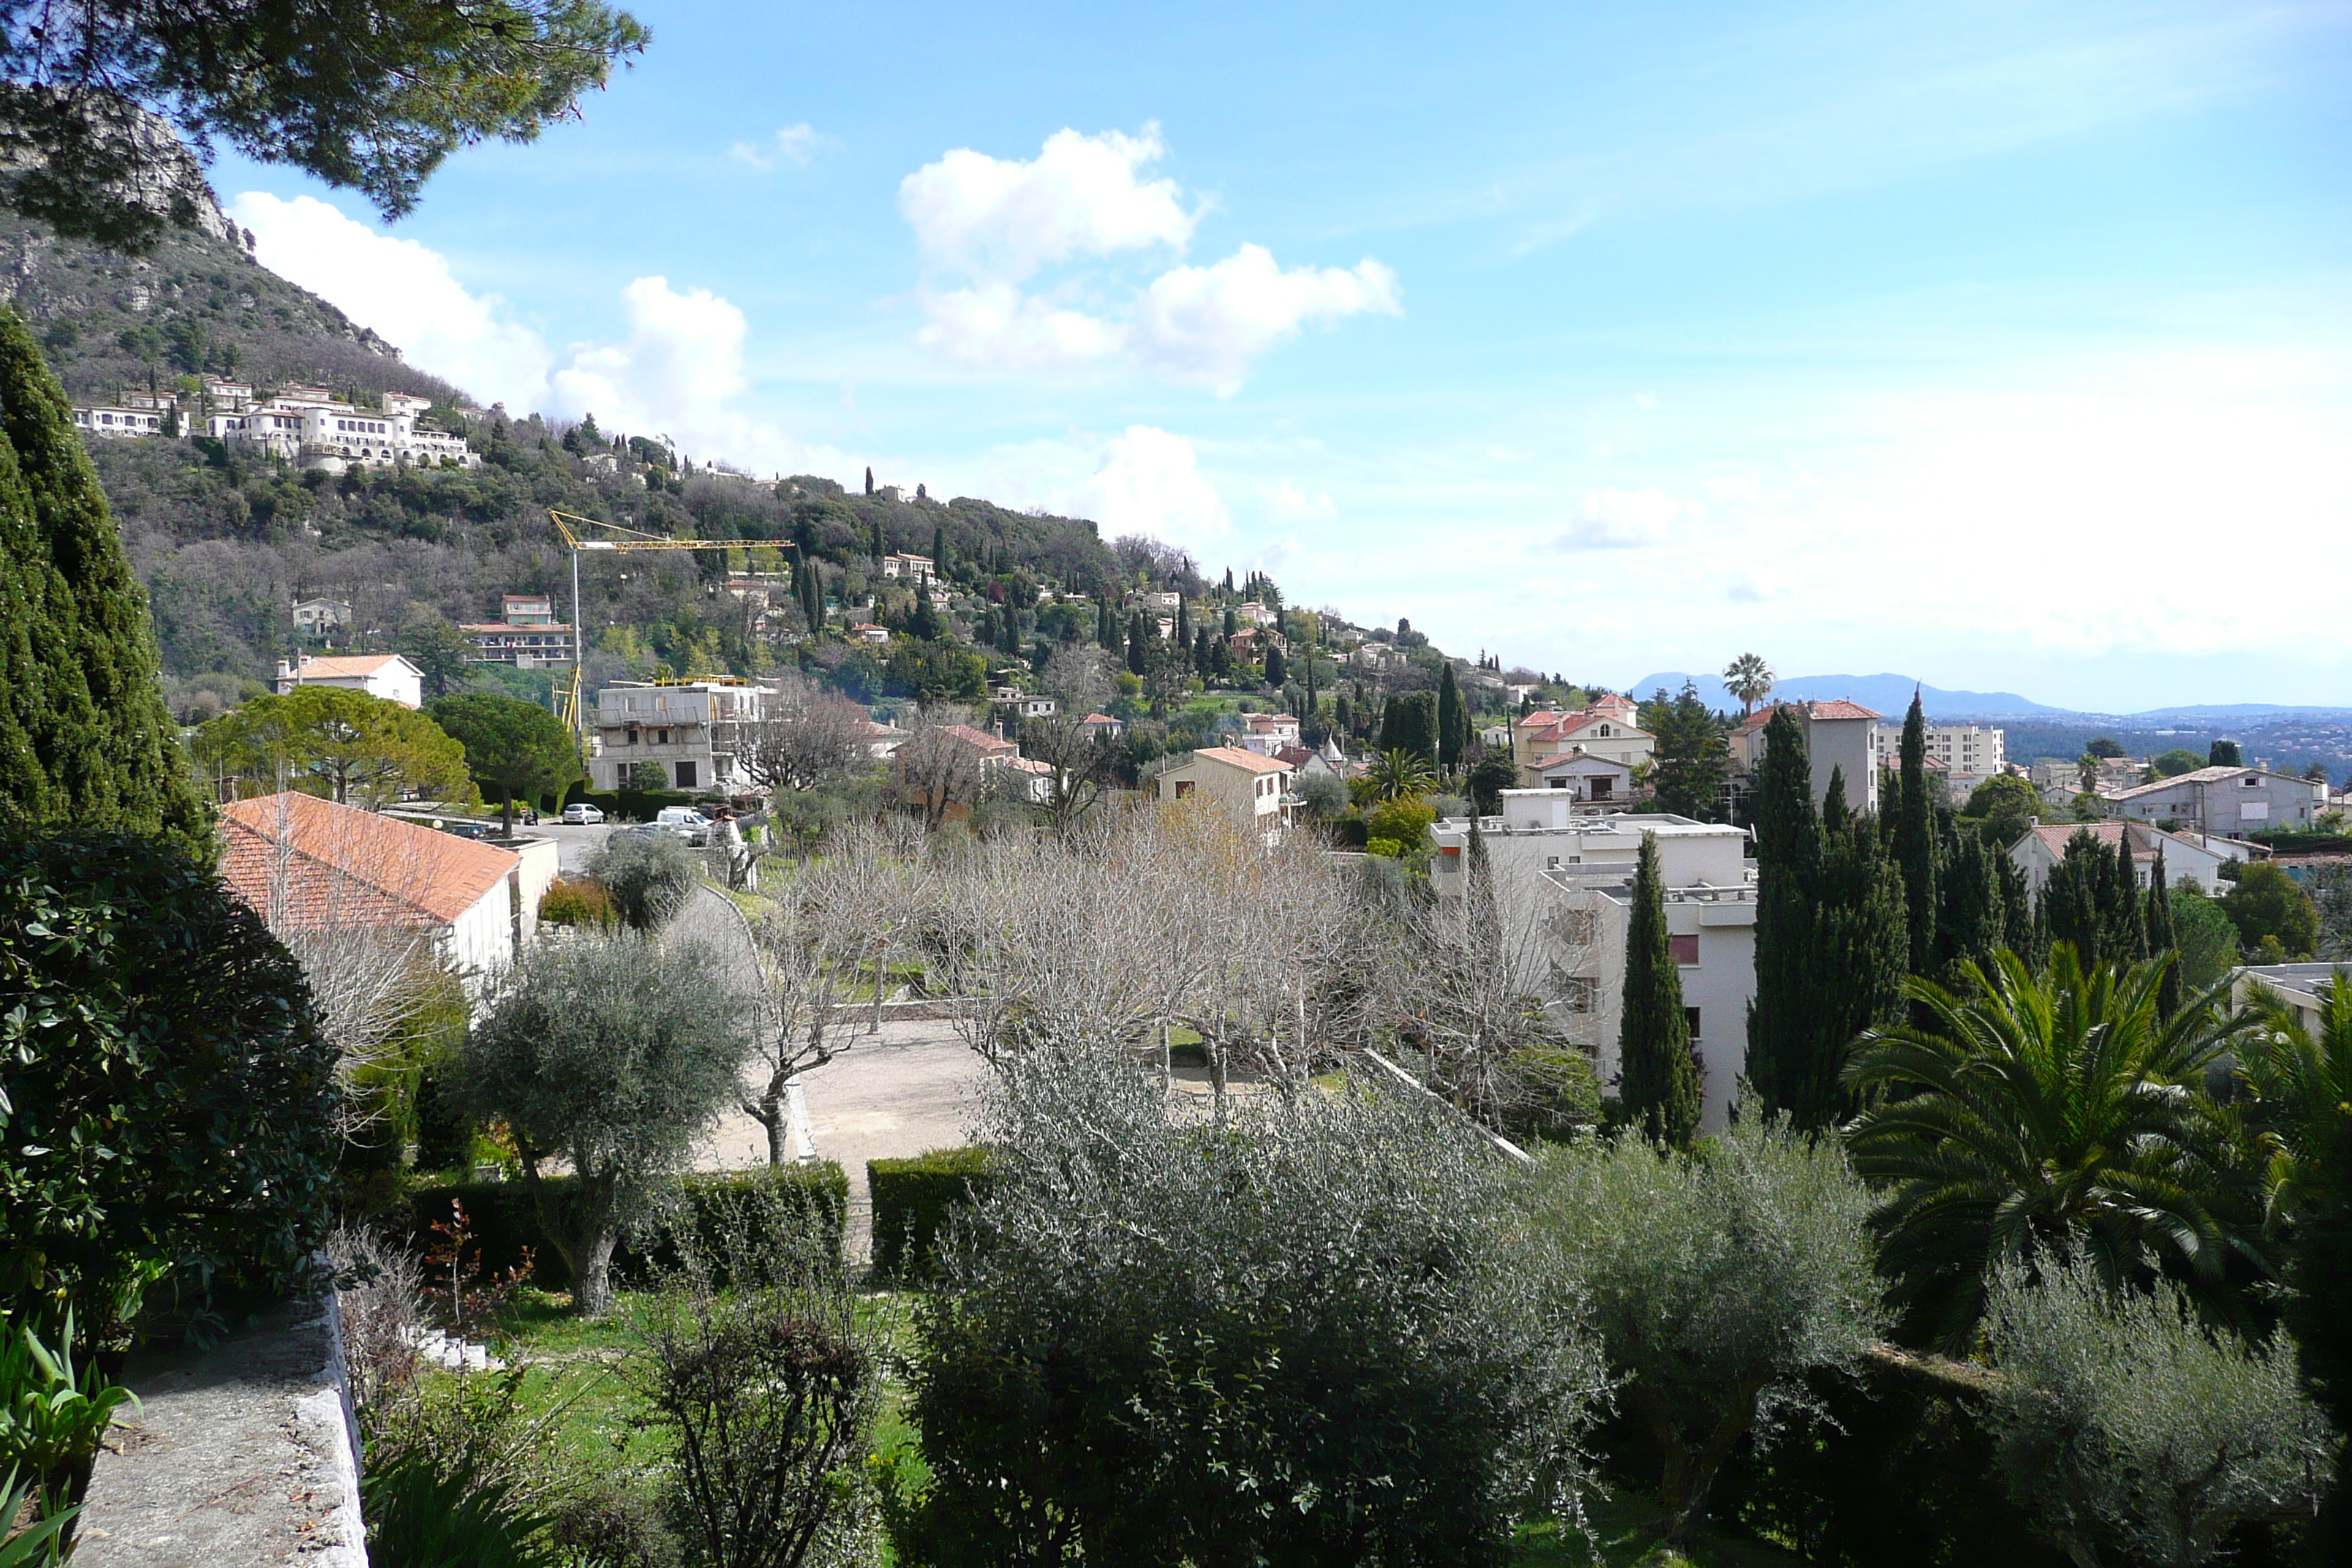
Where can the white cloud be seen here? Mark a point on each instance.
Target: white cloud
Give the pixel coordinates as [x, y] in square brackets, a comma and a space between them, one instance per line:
[404, 290]
[1284, 502]
[1202, 326]
[793, 144]
[991, 224]
[1621, 519]
[678, 366]
[679, 370]
[1000, 217]
[993, 323]
[1149, 482]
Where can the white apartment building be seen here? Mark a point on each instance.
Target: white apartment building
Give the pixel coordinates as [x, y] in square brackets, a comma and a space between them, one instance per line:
[315, 429]
[920, 569]
[385, 675]
[1841, 737]
[691, 729]
[1564, 874]
[526, 635]
[105, 420]
[1968, 753]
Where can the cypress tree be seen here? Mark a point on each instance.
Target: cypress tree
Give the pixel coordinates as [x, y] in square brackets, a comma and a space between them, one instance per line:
[1657, 1075]
[869, 490]
[1971, 922]
[1183, 624]
[808, 580]
[1200, 652]
[1139, 653]
[84, 737]
[940, 548]
[2072, 900]
[1453, 720]
[1387, 740]
[2016, 907]
[1274, 670]
[1788, 849]
[876, 532]
[1107, 626]
[1915, 841]
[2122, 931]
[2161, 941]
[1861, 947]
[1011, 628]
[1485, 916]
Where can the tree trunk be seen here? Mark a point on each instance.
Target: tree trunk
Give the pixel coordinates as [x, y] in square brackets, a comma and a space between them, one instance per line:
[591, 1272]
[1690, 1473]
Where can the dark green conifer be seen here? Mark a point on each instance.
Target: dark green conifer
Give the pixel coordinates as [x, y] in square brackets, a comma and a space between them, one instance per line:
[2161, 942]
[2123, 928]
[1658, 1076]
[1274, 670]
[1453, 720]
[1138, 651]
[1788, 851]
[1915, 841]
[84, 737]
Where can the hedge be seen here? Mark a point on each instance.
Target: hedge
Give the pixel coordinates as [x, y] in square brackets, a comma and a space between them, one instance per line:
[504, 1221]
[2284, 842]
[635, 805]
[913, 1199]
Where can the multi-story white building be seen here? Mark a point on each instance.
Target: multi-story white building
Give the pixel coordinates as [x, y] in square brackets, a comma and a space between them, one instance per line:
[1563, 877]
[1255, 788]
[920, 569]
[526, 635]
[1841, 737]
[1968, 753]
[105, 420]
[690, 730]
[311, 426]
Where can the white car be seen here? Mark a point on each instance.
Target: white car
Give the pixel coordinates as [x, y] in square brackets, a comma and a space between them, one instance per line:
[580, 814]
[685, 822]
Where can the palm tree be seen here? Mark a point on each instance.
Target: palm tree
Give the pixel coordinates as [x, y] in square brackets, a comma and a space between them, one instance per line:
[1399, 775]
[2058, 1114]
[2302, 1095]
[1750, 679]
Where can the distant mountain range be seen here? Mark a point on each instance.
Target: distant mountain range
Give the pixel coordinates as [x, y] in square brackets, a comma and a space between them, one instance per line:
[1891, 695]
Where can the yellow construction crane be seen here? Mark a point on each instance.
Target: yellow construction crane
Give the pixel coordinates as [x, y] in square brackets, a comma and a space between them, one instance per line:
[585, 533]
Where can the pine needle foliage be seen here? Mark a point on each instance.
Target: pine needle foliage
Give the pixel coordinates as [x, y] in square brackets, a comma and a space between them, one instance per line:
[84, 737]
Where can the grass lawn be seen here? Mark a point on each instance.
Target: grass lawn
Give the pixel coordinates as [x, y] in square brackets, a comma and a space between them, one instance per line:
[573, 1374]
[1621, 1529]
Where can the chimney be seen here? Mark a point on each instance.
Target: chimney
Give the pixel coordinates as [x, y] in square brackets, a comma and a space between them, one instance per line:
[285, 670]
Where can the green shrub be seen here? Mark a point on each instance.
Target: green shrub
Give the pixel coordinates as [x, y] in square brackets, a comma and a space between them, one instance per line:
[913, 1199]
[581, 903]
[504, 1223]
[170, 1109]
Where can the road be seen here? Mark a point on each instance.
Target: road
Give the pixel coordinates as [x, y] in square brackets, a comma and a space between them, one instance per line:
[892, 1094]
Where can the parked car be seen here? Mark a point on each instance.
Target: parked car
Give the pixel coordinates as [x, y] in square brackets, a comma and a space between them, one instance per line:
[685, 822]
[580, 813]
[471, 829]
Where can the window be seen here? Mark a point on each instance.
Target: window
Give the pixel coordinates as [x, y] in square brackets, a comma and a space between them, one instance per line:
[631, 736]
[1685, 948]
[1183, 788]
[686, 775]
[1690, 1017]
[1578, 993]
[1560, 784]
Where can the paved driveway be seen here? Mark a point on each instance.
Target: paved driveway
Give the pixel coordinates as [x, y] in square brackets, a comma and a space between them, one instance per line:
[890, 1095]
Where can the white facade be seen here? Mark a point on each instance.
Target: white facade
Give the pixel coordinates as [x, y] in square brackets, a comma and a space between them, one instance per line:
[385, 675]
[1968, 753]
[1255, 788]
[1567, 870]
[310, 426]
[692, 729]
[2232, 802]
[918, 570]
[2190, 858]
[105, 420]
[317, 617]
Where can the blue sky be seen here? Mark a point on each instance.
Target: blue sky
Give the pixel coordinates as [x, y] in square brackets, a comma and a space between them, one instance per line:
[2008, 347]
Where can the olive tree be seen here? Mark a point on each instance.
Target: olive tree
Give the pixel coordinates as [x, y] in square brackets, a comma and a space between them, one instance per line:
[2131, 1431]
[1295, 1337]
[612, 1054]
[1718, 1279]
[648, 877]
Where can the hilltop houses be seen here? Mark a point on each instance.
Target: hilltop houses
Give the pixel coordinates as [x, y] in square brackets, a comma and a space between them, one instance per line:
[309, 426]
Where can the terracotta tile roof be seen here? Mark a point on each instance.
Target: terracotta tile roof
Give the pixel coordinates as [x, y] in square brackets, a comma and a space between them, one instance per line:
[987, 742]
[1028, 765]
[1234, 756]
[343, 665]
[1294, 756]
[2146, 840]
[1839, 708]
[1098, 719]
[323, 862]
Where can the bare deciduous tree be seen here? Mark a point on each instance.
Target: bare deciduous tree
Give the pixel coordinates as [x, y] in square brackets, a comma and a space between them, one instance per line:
[802, 737]
[936, 768]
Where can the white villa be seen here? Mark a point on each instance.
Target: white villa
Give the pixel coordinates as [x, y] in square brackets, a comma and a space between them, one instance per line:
[1564, 876]
[384, 675]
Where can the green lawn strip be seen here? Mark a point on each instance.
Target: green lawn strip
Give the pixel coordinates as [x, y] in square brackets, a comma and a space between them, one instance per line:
[1623, 1528]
